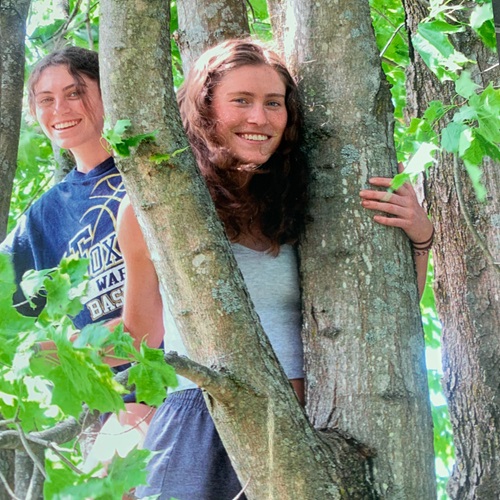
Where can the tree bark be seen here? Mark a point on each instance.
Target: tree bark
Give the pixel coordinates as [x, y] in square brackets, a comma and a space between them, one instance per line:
[364, 345]
[203, 23]
[276, 452]
[13, 15]
[467, 281]
[277, 15]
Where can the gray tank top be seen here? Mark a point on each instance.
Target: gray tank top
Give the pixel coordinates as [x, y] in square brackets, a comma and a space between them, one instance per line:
[273, 284]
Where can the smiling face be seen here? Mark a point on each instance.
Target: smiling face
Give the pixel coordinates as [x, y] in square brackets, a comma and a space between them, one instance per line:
[60, 110]
[250, 111]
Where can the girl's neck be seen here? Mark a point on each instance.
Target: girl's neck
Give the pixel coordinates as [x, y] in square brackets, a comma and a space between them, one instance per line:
[255, 241]
[88, 159]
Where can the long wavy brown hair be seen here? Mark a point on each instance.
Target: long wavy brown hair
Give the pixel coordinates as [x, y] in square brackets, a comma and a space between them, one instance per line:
[276, 194]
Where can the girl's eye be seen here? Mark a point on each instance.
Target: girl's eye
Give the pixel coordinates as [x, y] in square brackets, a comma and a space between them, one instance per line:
[45, 101]
[240, 100]
[274, 104]
[74, 94]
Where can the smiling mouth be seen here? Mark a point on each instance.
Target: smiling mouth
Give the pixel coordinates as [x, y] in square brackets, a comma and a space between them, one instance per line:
[254, 137]
[65, 125]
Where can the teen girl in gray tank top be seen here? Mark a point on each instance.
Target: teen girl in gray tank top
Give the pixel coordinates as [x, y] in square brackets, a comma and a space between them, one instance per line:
[273, 284]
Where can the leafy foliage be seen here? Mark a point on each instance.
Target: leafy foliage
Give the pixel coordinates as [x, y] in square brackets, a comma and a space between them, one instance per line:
[40, 388]
[122, 475]
[74, 371]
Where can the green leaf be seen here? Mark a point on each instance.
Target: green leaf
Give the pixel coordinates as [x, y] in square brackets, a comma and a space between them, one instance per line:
[487, 107]
[465, 114]
[450, 136]
[438, 53]
[11, 322]
[465, 86]
[152, 376]
[398, 180]
[422, 159]
[33, 282]
[95, 334]
[64, 285]
[45, 33]
[80, 377]
[487, 34]
[472, 150]
[480, 14]
[115, 137]
[475, 173]
[7, 277]
[76, 268]
[481, 21]
[159, 158]
[435, 111]
[60, 299]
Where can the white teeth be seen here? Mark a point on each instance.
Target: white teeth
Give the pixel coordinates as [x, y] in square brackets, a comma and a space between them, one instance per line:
[60, 126]
[254, 137]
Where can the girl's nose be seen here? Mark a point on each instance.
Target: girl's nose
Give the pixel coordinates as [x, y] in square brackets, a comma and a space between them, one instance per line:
[257, 114]
[60, 105]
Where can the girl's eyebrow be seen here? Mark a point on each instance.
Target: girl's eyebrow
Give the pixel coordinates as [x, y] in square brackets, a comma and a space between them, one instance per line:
[50, 92]
[245, 92]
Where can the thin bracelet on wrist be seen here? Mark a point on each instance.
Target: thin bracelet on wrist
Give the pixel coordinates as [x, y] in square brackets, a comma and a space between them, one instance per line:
[423, 246]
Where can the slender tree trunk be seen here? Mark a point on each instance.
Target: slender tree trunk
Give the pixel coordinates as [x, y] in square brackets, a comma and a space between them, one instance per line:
[220, 20]
[277, 14]
[467, 282]
[364, 344]
[13, 15]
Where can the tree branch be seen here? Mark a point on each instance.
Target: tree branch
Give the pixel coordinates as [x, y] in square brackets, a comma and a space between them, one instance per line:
[35, 489]
[5, 483]
[220, 386]
[31, 453]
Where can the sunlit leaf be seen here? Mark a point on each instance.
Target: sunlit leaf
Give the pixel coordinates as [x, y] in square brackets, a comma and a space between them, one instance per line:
[465, 86]
[152, 376]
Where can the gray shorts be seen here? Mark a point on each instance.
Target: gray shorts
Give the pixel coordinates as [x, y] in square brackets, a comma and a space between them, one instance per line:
[192, 463]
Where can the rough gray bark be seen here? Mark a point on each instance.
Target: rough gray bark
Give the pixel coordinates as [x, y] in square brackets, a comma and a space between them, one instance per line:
[274, 448]
[13, 14]
[364, 345]
[203, 23]
[467, 282]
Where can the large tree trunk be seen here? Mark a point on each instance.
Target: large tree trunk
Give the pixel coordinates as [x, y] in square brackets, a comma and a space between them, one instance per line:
[364, 344]
[13, 15]
[467, 283]
[275, 450]
[203, 24]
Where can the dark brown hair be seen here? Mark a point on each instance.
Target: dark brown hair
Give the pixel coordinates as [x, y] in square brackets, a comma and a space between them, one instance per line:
[277, 195]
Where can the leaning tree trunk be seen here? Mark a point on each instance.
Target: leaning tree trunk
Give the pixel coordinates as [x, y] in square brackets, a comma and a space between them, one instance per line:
[467, 283]
[275, 450]
[205, 23]
[364, 344]
[13, 15]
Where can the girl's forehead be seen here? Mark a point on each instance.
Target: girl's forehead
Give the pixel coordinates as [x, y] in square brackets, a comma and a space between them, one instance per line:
[260, 76]
[53, 76]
